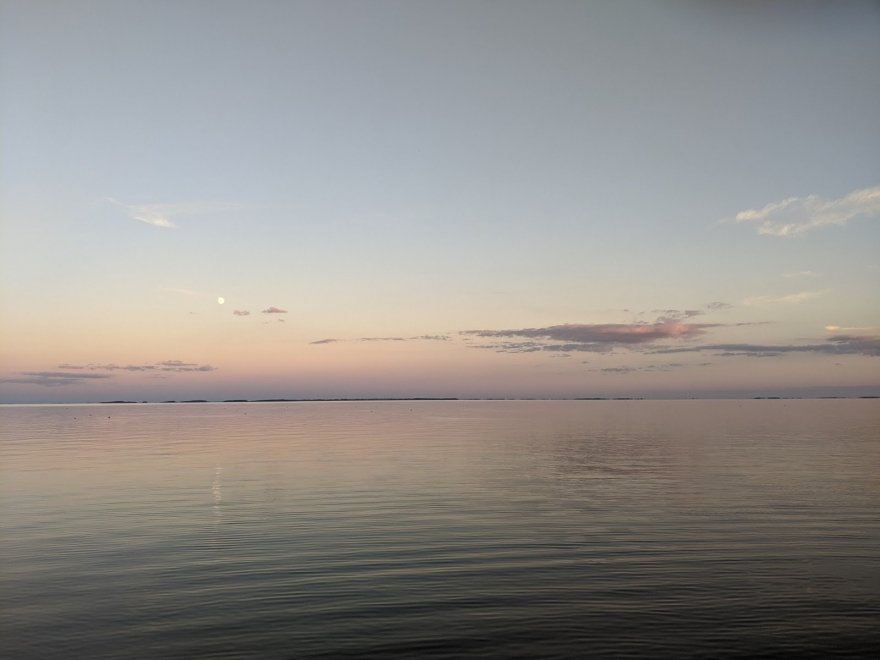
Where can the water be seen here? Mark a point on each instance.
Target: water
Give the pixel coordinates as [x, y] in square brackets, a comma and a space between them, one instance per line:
[441, 529]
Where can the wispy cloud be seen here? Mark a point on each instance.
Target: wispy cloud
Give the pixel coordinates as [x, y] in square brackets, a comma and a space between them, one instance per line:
[796, 215]
[51, 378]
[801, 274]
[144, 214]
[669, 366]
[62, 374]
[513, 347]
[108, 367]
[177, 365]
[163, 215]
[790, 299]
[274, 310]
[150, 214]
[834, 345]
[167, 365]
[384, 339]
[240, 312]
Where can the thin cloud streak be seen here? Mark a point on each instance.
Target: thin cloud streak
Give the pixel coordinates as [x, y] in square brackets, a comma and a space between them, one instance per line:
[835, 345]
[385, 339]
[62, 374]
[670, 366]
[52, 378]
[274, 310]
[167, 365]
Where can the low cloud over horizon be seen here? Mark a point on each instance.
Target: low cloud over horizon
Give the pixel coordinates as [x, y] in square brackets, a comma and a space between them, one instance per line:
[384, 339]
[834, 345]
[166, 365]
[656, 337]
[52, 378]
[597, 337]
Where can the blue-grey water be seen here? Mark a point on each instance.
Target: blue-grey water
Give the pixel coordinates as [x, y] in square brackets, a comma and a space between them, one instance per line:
[441, 529]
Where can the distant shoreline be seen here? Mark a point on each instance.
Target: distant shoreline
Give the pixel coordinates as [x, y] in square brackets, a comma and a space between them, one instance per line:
[419, 399]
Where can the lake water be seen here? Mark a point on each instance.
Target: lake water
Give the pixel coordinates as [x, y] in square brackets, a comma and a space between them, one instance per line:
[441, 529]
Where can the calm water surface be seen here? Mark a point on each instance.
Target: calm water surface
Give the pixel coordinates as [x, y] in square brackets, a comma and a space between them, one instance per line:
[441, 529]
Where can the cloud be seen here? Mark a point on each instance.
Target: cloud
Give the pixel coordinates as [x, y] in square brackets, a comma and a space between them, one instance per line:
[167, 365]
[274, 310]
[796, 215]
[669, 366]
[600, 337]
[801, 274]
[62, 374]
[150, 214]
[108, 367]
[144, 214]
[394, 339]
[52, 378]
[664, 315]
[178, 366]
[240, 312]
[162, 215]
[671, 324]
[790, 299]
[834, 345]
[676, 314]
[512, 347]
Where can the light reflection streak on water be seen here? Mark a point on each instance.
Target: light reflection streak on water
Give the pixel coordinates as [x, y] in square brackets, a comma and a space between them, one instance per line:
[217, 492]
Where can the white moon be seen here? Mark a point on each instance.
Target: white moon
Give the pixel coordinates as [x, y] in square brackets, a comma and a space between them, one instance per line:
[221, 300]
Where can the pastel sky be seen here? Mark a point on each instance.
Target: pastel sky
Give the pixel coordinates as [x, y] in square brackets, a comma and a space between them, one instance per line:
[467, 199]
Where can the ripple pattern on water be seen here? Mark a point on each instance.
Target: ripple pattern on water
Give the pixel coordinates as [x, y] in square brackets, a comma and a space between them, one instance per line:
[441, 529]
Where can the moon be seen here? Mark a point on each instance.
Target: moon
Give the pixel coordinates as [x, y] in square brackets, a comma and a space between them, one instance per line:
[221, 300]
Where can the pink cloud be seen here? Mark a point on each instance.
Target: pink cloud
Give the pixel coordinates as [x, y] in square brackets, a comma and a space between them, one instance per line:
[605, 333]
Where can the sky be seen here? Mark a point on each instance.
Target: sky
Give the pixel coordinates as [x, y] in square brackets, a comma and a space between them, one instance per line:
[229, 199]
